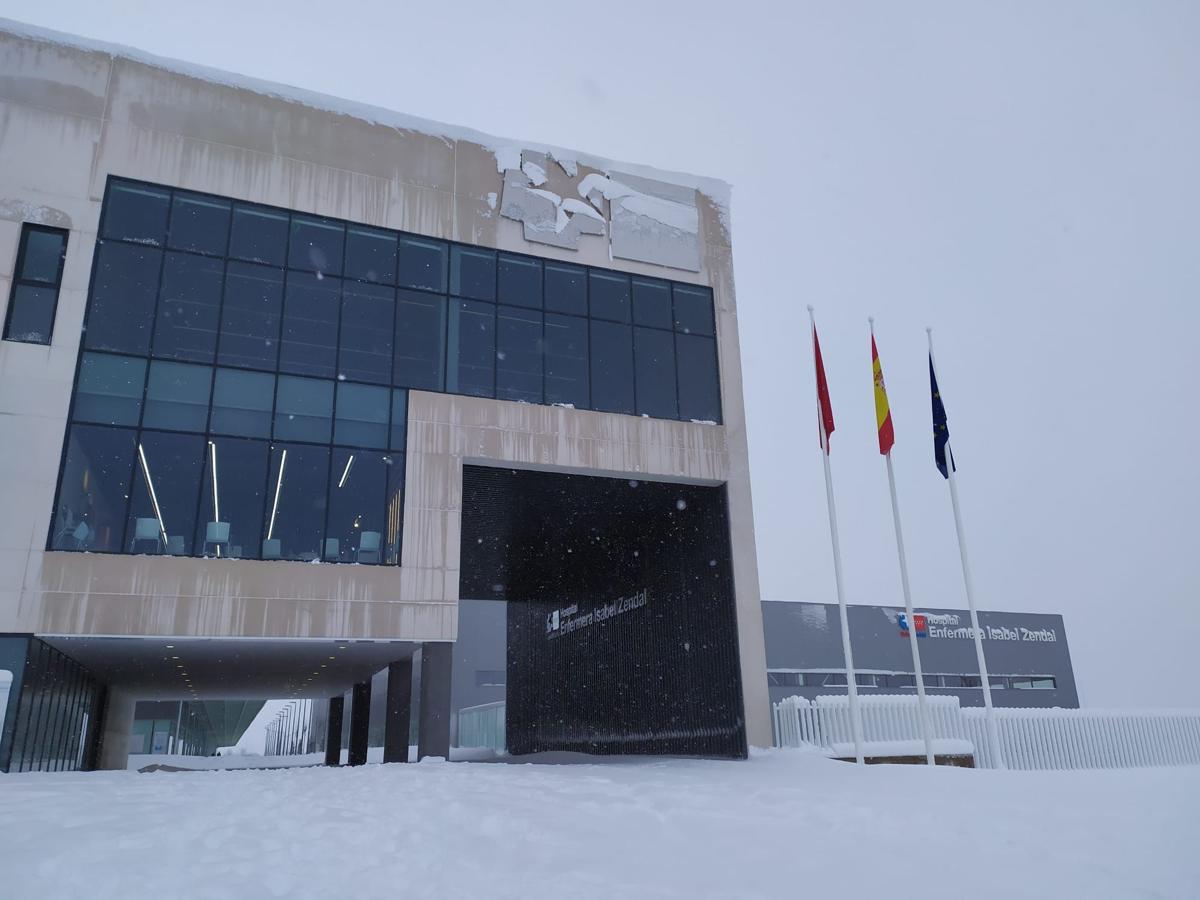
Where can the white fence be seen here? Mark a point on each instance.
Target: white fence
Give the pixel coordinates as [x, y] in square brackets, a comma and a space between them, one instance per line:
[1029, 738]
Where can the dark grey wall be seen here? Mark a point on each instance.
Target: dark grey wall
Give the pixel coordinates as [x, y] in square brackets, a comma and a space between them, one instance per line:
[621, 635]
[807, 636]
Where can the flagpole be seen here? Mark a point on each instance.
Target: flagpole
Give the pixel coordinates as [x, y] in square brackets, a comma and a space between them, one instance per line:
[851, 681]
[993, 731]
[919, 677]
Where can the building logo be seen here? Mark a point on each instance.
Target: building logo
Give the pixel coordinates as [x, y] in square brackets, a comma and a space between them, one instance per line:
[949, 626]
[570, 619]
[919, 618]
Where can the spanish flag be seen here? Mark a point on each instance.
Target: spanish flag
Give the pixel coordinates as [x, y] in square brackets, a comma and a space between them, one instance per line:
[883, 415]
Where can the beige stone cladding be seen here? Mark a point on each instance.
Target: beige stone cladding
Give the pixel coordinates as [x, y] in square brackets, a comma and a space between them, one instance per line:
[72, 114]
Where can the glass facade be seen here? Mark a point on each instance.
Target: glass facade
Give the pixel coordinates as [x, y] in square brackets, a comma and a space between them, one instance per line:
[54, 709]
[242, 385]
[37, 276]
[894, 680]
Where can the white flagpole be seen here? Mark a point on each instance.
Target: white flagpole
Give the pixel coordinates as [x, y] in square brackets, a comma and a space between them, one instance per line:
[851, 681]
[922, 703]
[993, 731]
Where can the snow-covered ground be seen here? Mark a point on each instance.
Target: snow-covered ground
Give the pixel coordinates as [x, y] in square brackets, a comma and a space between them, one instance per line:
[785, 824]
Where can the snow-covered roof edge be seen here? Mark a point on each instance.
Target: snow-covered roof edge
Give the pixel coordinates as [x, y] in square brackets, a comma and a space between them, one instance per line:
[717, 190]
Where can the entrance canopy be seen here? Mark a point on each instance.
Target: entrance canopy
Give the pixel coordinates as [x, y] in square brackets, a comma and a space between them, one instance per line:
[230, 668]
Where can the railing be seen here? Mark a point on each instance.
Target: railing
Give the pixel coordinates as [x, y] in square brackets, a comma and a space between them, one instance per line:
[482, 726]
[1087, 739]
[1029, 738]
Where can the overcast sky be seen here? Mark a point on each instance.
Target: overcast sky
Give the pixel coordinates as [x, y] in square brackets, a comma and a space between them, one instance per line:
[1024, 177]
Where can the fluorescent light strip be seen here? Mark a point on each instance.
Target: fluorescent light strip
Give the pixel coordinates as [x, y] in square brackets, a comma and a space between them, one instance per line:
[346, 472]
[216, 500]
[162, 528]
[278, 485]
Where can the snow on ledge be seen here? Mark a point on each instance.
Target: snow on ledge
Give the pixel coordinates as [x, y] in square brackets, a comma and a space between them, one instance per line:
[714, 188]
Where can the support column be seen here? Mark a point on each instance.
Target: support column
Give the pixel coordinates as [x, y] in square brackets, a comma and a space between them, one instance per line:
[114, 733]
[333, 732]
[398, 711]
[433, 730]
[95, 730]
[360, 722]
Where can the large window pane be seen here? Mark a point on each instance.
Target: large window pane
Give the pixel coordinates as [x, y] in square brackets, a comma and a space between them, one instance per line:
[519, 354]
[136, 212]
[316, 245]
[612, 367]
[177, 396]
[654, 372]
[567, 360]
[303, 409]
[365, 337]
[609, 295]
[295, 509]
[699, 385]
[259, 234]
[693, 309]
[310, 325]
[94, 489]
[651, 303]
[520, 281]
[473, 273]
[230, 523]
[250, 316]
[43, 254]
[420, 341]
[357, 526]
[471, 349]
[199, 224]
[110, 389]
[242, 403]
[166, 488]
[422, 264]
[31, 314]
[362, 415]
[370, 254]
[188, 308]
[121, 311]
[566, 288]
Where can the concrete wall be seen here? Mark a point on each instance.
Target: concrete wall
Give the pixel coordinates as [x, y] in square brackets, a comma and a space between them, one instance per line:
[72, 116]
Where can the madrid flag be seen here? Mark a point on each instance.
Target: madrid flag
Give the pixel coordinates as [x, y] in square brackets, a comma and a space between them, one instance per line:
[883, 415]
[824, 405]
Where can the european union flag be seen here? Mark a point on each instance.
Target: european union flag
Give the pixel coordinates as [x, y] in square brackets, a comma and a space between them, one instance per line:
[941, 430]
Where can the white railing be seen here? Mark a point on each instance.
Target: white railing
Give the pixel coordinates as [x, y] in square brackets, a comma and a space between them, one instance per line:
[1086, 738]
[482, 726]
[1029, 738]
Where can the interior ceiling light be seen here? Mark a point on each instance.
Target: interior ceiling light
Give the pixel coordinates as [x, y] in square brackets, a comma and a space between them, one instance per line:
[278, 487]
[162, 528]
[346, 471]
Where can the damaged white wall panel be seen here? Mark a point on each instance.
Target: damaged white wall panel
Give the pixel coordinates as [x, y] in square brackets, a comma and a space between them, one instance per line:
[646, 220]
[650, 221]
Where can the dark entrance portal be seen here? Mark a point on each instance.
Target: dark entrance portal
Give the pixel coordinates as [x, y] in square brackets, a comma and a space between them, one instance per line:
[621, 628]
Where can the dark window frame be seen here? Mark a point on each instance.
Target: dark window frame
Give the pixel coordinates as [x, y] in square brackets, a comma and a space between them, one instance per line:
[442, 293]
[28, 228]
